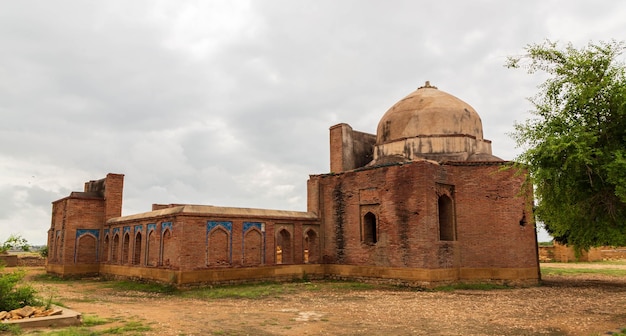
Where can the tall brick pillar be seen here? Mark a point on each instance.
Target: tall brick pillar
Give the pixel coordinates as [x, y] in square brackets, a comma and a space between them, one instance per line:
[113, 188]
[341, 148]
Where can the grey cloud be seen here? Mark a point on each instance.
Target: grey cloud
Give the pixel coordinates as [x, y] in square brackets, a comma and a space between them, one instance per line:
[230, 103]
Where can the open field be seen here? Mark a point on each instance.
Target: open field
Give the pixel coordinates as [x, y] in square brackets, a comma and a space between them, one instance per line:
[582, 303]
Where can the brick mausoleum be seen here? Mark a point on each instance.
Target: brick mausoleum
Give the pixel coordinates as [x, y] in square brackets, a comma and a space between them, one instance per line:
[422, 202]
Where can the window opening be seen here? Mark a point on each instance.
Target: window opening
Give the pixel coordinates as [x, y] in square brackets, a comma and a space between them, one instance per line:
[369, 228]
[446, 218]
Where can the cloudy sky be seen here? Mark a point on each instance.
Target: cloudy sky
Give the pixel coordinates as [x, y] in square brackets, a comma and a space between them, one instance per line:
[229, 102]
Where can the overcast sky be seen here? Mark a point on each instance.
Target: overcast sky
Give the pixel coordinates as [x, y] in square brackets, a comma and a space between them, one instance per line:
[229, 102]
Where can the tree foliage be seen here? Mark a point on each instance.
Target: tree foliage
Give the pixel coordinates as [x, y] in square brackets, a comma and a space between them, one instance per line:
[575, 145]
[14, 242]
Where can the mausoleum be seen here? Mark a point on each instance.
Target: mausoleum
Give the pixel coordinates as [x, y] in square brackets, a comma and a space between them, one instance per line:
[422, 202]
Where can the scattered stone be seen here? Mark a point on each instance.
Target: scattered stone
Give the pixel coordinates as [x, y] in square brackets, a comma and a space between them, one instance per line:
[29, 312]
[24, 312]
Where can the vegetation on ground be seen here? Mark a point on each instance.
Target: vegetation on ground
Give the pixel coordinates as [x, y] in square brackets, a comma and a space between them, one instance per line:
[95, 325]
[574, 146]
[546, 270]
[150, 287]
[14, 293]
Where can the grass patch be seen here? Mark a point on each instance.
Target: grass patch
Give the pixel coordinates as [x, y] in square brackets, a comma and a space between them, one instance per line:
[611, 262]
[94, 320]
[130, 328]
[148, 287]
[575, 271]
[245, 291]
[470, 286]
[50, 278]
[349, 285]
[10, 329]
[271, 289]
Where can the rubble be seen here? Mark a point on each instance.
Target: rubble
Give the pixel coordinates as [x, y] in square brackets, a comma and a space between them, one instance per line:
[29, 312]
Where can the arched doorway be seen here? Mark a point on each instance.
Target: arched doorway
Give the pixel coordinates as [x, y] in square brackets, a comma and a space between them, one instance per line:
[284, 251]
[311, 247]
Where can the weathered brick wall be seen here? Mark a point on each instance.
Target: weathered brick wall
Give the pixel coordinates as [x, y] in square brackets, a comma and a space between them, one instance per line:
[495, 225]
[404, 200]
[349, 149]
[192, 243]
[398, 197]
[114, 187]
[70, 214]
[562, 253]
[31, 261]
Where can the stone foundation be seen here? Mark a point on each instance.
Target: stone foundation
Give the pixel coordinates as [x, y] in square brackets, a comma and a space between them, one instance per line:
[411, 277]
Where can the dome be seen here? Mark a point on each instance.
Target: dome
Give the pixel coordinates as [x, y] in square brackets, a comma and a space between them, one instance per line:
[434, 125]
[428, 112]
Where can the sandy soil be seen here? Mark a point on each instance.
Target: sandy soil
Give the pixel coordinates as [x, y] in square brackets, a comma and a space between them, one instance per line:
[571, 305]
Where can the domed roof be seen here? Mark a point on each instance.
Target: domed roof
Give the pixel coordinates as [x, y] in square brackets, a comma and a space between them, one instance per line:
[428, 112]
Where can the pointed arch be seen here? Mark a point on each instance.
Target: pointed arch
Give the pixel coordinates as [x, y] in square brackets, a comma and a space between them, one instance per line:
[167, 249]
[311, 247]
[218, 250]
[137, 249]
[284, 247]
[152, 248]
[115, 248]
[126, 248]
[253, 247]
[86, 249]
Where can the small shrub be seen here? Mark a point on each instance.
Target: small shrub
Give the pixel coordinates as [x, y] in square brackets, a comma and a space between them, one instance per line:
[12, 295]
[43, 252]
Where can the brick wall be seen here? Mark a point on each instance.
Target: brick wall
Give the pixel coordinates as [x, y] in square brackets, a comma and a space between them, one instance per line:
[404, 198]
[69, 215]
[191, 242]
[114, 187]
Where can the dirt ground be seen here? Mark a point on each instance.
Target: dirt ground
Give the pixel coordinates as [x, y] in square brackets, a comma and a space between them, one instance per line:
[563, 305]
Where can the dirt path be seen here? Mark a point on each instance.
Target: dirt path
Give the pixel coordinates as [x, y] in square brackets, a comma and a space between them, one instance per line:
[580, 305]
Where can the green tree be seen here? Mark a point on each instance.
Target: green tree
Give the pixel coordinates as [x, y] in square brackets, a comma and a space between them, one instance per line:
[575, 145]
[14, 242]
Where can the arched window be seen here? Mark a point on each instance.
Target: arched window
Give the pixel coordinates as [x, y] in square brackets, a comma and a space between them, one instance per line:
[167, 249]
[152, 248]
[311, 247]
[115, 249]
[125, 248]
[446, 218]
[137, 249]
[369, 228]
[283, 248]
